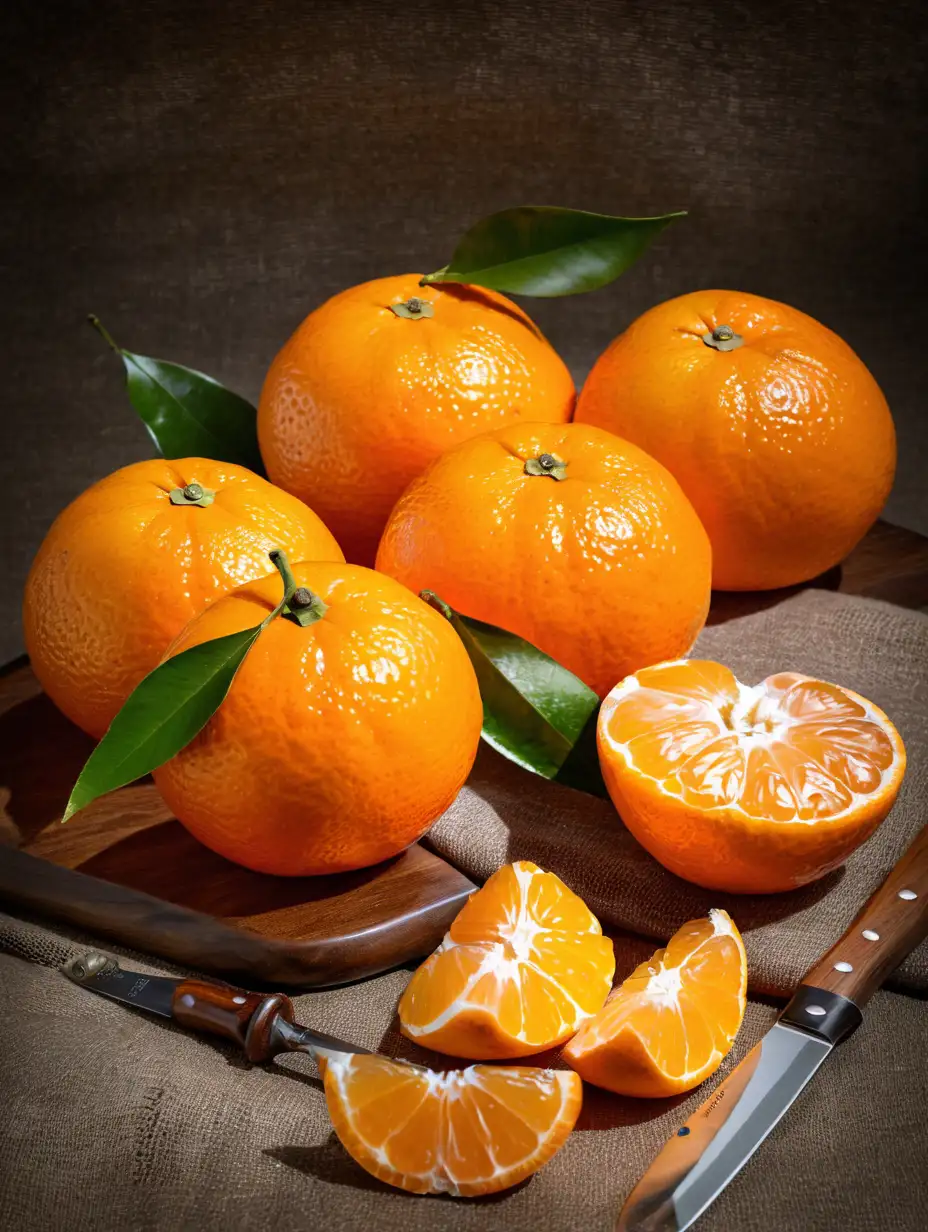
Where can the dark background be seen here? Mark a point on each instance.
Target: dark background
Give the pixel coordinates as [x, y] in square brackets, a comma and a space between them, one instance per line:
[203, 175]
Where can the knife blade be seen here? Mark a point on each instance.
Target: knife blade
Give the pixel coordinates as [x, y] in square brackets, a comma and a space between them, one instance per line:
[696, 1164]
[262, 1024]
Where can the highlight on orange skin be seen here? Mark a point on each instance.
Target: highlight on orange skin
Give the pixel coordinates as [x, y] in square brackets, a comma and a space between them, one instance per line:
[784, 443]
[606, 569]
[338, 744]
[123, 569]
[360, 400]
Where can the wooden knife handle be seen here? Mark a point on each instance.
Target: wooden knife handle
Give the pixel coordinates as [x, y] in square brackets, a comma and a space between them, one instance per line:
[889, 927]
[245, 1018]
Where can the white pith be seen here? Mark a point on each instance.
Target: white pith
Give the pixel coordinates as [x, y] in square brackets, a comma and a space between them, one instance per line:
[448, 1087]
[503, 960]
[663, 988]
[757, 720]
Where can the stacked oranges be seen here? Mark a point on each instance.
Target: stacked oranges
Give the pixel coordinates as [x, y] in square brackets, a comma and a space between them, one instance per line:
[432, 431]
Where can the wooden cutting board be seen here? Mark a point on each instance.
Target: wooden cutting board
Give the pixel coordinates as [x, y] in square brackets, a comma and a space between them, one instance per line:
[125, 870]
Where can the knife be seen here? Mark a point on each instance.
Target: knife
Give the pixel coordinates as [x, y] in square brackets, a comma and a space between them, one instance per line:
[720, 1137]
[261, 1024]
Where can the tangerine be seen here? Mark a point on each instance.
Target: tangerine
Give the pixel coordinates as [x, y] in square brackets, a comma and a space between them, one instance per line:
[563, 534]
[775, 429]
[381, 379]
[522, 966]
[673, 1021]
[747, 789]
[128, 563]
[338, 743]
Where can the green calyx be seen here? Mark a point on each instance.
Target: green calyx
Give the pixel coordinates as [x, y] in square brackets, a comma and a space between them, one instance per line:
[299, 604]
[547, 464]
[193, 494]
[723, 338]
[414, 309]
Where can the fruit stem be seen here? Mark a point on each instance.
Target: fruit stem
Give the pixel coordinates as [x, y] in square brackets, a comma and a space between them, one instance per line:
[723, 338]
[103, 332]
[299, 603]
[193, 493]
[413, 309]
[547, 464]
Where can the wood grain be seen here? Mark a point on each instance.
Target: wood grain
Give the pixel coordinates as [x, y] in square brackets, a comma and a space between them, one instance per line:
[245, 1018]
[125, 869]
[890, 926]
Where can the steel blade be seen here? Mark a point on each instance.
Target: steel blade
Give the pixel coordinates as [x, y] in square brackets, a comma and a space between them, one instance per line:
[721, 1136]
[154, 993]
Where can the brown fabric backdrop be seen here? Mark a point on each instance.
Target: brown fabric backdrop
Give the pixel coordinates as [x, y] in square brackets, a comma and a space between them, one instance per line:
[202, 175]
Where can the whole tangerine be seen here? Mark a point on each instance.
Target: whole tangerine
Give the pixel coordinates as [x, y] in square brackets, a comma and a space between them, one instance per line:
[563, 534]
[775, 429]
[338, 743]
[382, 378]
[127, 564]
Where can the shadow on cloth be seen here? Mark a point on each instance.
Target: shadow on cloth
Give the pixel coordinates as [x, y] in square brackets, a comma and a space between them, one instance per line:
[331, 1162]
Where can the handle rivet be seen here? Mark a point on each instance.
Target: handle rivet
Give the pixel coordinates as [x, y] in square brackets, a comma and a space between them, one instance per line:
[187, 1001]
[239, 1000]
[818, 1011]
[843, 966]
[908, 895]
[871, 935]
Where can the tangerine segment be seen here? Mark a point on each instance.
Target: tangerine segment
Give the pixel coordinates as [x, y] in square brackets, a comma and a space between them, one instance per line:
[747, 789]
[673, 1021]
[464, 1133]
[522, 966]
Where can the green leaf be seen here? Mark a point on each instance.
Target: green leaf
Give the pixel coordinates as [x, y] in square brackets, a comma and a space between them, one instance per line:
[162, 715]
[188, 414]
[544, 251]
[535, 712]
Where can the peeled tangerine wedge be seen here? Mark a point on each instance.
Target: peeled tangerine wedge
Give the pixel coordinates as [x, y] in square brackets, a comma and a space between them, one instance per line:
[674, 1020]
[464, 1133]
[747, 789]
[522, 967]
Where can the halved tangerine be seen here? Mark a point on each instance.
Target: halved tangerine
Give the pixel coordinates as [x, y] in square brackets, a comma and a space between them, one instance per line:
[464, 1133]
[673, 1021]
[741, 788]
[522, 966]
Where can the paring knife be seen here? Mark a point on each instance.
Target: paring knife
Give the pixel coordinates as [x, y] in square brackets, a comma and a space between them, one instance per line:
[262, 1024]
[705, 1153]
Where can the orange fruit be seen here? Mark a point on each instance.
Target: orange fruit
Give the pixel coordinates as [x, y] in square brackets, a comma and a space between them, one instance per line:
[673, 1021]
[599, 560]
[747, 789]
[360, 400]
[522, 966]
[464, 1133]
[339, 743]
[123, 569]
[784, 444]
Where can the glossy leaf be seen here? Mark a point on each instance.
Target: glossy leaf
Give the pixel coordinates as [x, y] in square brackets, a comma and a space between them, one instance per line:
[535, 712]
[162, 715]
[546, 251]
[188, 414]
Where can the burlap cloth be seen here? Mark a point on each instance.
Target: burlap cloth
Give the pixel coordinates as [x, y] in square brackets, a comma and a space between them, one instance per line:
[878, 650]
[112, 1120]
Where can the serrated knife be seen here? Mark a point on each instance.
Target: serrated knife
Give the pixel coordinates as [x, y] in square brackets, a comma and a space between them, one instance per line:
[720, 1137]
